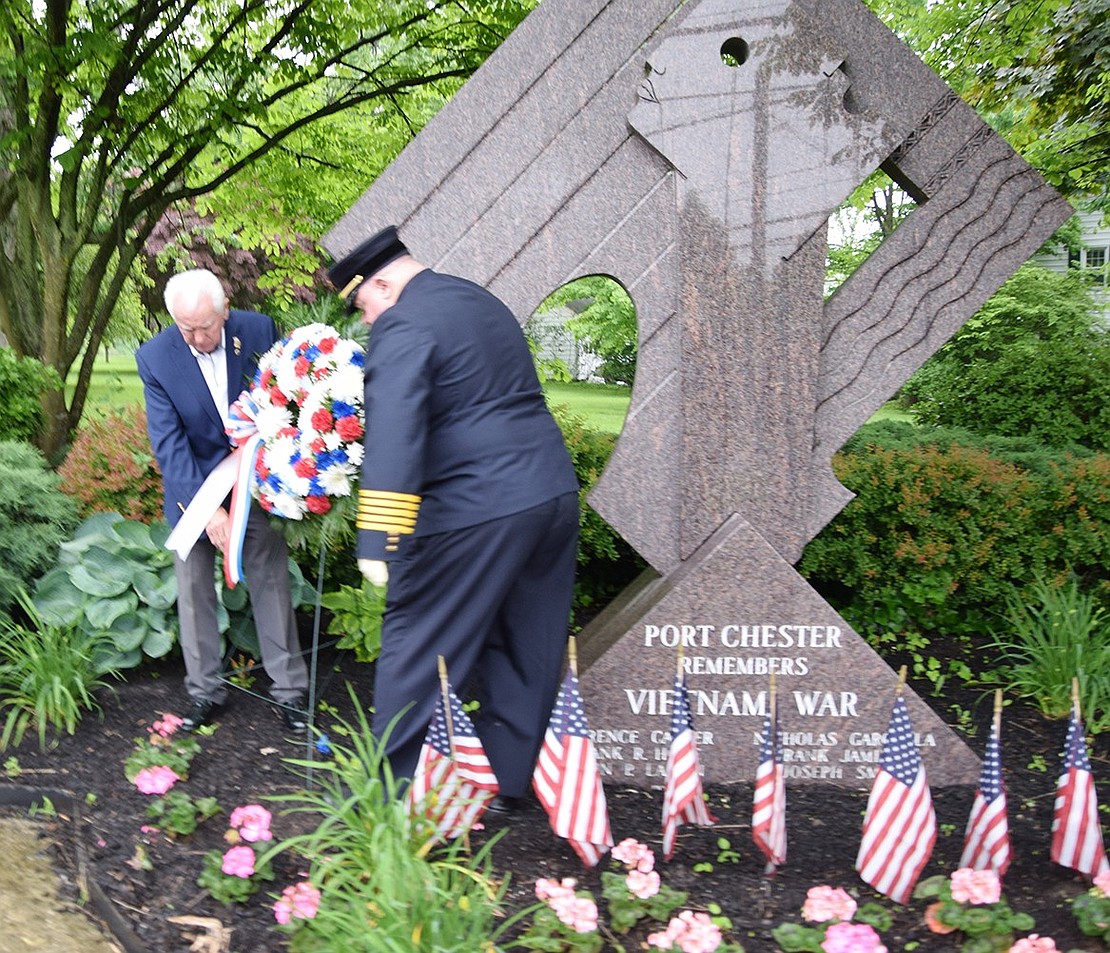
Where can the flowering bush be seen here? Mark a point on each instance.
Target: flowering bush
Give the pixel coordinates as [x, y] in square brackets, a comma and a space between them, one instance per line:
[298, 901]
[1092, 909]
[163, 752]
[568, 919]
[844, 926]
[971, 903]
[234, 875]
[178, 814]
[305, 403]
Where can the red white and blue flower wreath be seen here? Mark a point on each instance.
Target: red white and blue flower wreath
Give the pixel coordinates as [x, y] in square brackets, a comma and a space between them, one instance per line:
[299, 427]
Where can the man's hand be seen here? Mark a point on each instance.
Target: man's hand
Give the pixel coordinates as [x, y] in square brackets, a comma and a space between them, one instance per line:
[375, 571]
[219, 528]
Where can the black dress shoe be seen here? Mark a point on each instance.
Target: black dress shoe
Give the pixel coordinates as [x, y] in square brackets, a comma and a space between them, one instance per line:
[293, 714]
[200, 713]
[504, 804]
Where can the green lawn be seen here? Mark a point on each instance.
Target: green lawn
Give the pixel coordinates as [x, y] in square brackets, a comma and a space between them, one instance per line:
[116, 385]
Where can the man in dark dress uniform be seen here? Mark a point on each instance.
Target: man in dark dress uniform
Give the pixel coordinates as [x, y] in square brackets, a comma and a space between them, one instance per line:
[468, 508]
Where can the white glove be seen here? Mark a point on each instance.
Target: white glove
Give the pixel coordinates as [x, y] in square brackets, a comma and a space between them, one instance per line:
[375, 571]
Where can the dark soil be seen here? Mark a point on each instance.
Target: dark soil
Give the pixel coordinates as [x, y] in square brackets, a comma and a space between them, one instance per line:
[98, 834]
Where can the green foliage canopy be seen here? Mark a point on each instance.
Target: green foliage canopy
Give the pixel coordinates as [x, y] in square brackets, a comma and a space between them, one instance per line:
[112, 111]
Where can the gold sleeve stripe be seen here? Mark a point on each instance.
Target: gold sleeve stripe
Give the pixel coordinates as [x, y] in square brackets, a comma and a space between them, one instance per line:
[387, 512]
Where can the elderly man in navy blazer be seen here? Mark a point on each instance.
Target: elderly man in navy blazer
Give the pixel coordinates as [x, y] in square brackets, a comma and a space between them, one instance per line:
[191, 372]
[468, 509]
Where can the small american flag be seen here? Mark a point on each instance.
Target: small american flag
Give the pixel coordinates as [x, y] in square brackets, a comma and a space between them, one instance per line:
[567, 781]
[769, 800]
[683, 800]
[1076, 834]
[899, 827]
[987, 840]
[453, 780]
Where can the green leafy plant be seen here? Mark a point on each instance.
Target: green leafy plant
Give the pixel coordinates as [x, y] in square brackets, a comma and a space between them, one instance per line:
[1092, 909]
[834, 913]
[115, 581]
[970, 903]
[177, 813]
[35, 517]
[568, 919]
[47, 677]
[164, 746]
[357, 618]
[22, 383]
[234, 875]
[379, 869]
[946, 525]
[1060, 634]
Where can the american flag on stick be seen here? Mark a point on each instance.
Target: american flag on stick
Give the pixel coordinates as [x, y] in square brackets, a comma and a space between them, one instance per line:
[769, 799]
[683, 798]
[987, 840]
[567, 781]
[453, 781]
[899, 827]
[1076, 834]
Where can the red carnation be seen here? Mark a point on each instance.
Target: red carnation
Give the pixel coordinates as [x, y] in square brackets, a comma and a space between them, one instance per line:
[266, 504]
[305, 467]
[277, 397]
[302, 365]
[327, 345]
[348, 428]
[288, 432]
[322, 420]
[266, 378]
[317, 504]
[319, 445]
[261, 469]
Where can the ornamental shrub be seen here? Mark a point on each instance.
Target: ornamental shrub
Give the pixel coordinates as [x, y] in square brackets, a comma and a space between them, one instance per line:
[945, 529]
[111, 468]
[22, 382]
[606, 563]
[35, 517]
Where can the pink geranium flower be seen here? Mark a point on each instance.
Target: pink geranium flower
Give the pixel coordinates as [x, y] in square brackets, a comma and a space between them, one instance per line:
[642, 884]
[239, 862]
[253, 822]
[975, 886]
[852, 938]
[298, 902]
[1034, 944]
[1102, 881]
[167, 725]
[689, 932]
[156, 780]
[828, 903]
[634, 855]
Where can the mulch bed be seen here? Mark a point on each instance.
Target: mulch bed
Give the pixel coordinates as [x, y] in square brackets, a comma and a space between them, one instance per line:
[242, 761]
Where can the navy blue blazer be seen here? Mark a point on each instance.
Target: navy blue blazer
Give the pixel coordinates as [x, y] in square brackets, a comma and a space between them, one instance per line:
[457, 428]
[186, 430]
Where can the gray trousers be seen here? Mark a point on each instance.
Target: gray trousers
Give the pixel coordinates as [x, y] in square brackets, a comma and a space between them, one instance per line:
[266, 575]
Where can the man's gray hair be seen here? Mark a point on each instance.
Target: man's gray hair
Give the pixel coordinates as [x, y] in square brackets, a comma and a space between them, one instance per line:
[187, 288]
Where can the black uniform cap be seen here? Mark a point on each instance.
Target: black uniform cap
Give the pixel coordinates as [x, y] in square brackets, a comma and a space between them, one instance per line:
[369, 257]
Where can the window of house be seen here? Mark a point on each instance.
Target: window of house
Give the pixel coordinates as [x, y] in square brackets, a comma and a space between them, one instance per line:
[1094, 261]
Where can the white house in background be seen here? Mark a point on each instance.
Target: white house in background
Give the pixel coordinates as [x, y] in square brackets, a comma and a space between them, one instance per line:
[553, 341]
[1093, 258]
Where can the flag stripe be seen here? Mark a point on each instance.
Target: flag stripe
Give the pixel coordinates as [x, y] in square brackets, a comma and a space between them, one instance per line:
[899, 827]
[453, 781]
[567, 781]
[987, 839]
[769, 797]
[1076, 833]
[683, 796]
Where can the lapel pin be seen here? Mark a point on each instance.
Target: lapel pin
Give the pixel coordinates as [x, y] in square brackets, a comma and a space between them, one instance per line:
[235, 344]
